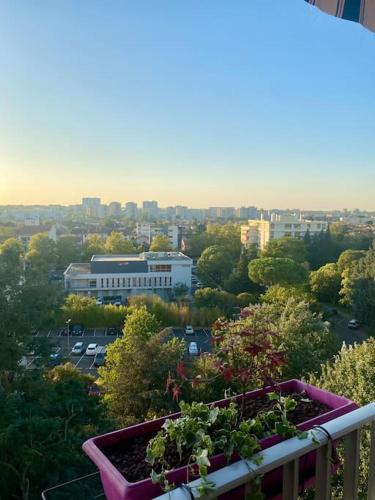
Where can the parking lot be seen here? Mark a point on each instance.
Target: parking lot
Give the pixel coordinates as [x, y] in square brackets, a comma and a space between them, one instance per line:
[102, 337]
[65, 343]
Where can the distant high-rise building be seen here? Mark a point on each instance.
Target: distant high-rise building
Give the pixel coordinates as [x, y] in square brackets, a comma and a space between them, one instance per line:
[131, 210]
[91, 206]
[247, 213]
[182, 212]
[150, 209]
[114, 209]
[222, 212]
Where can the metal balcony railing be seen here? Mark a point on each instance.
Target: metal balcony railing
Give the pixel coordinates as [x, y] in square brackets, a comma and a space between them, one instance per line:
[287, 455]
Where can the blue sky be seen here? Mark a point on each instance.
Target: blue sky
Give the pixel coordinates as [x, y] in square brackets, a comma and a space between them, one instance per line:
[214, 102]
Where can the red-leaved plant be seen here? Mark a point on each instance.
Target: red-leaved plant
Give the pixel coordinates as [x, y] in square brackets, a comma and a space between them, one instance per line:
[244, 355]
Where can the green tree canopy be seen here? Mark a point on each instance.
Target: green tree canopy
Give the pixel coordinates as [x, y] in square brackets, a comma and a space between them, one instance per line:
[160, 243]
[67, 251]
[301, 333]
[276, 270]
[352, 374]
[278, 294]
[238, 281]
[140, 325]
[44, 419]
[214, 265]
[325, 283]
[212, 298]
[93, 245]
[134, 375]
[117, 244]
[286, 247]
[358, 287]
[41, 256]
[349, 257]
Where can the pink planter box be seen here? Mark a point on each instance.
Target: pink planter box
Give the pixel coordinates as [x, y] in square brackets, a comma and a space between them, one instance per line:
[116, 487]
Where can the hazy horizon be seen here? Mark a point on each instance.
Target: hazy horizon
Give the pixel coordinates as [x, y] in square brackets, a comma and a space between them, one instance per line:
[262, 103]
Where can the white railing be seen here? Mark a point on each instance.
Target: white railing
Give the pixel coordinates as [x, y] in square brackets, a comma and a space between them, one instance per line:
[287, 454]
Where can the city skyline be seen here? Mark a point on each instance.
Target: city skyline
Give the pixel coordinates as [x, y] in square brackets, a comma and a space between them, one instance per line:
[207, 104]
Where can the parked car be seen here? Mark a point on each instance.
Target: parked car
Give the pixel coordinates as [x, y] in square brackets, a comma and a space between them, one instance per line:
[354, 324]
[100, 356]
[112, 331]
[118, 303]
[189, 330]
[77, 330]
[91, 349]
[78, 348]
[55, 359]
[99, 301]
[193, 349]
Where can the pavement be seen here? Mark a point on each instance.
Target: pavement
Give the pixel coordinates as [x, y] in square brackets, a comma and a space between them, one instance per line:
[64, 344]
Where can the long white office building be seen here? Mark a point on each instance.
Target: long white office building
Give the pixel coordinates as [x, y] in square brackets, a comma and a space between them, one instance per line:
[148, 273]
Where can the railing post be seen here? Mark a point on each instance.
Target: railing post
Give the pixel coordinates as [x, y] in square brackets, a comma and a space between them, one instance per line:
[371, 477]
[323, 472]
[290, 480]
[351, 465]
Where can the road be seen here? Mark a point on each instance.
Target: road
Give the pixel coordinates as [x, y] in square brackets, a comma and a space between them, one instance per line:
[339, 324]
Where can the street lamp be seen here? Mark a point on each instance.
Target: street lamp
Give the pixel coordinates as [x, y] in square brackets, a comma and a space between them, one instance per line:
[68, 321]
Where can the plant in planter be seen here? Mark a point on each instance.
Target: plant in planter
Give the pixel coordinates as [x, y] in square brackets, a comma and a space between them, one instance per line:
[202, 432]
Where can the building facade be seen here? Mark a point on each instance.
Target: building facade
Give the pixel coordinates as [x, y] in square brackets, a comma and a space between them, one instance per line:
[148, 273]
[91, 206]
[260, 232]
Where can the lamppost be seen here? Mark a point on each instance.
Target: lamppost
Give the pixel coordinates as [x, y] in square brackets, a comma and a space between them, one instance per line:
[68, 321]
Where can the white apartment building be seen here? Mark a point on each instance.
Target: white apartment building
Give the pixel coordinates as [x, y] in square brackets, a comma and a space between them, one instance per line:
[260, 232]
[148, 273]
[145, 232]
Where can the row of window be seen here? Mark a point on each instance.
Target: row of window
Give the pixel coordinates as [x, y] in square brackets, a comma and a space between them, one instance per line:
[160, 268]
[156, 282]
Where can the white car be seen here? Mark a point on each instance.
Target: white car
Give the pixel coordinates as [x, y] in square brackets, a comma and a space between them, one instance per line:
[78, 348]
[354, 324]
[193, 349]
[91, 349]
[189, 330]
[99, 301]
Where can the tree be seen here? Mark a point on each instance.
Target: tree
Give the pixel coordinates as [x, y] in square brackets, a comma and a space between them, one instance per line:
[306, 341]
[268, 271]
[67, 251]
[41, 257]
[134, 376]
[352, 374]
[117, 244]
[214, 265]
[212, 298]
[93, 245]
[286, 247]
[25, 304]
[44, 418]
[278, 294]
[160, 243]
[238, 281]
[140, 325]
[325, 283]
[348, 258]
[358, 287]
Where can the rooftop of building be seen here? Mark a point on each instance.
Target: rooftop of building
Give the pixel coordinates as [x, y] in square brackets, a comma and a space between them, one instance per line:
[140, 257]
